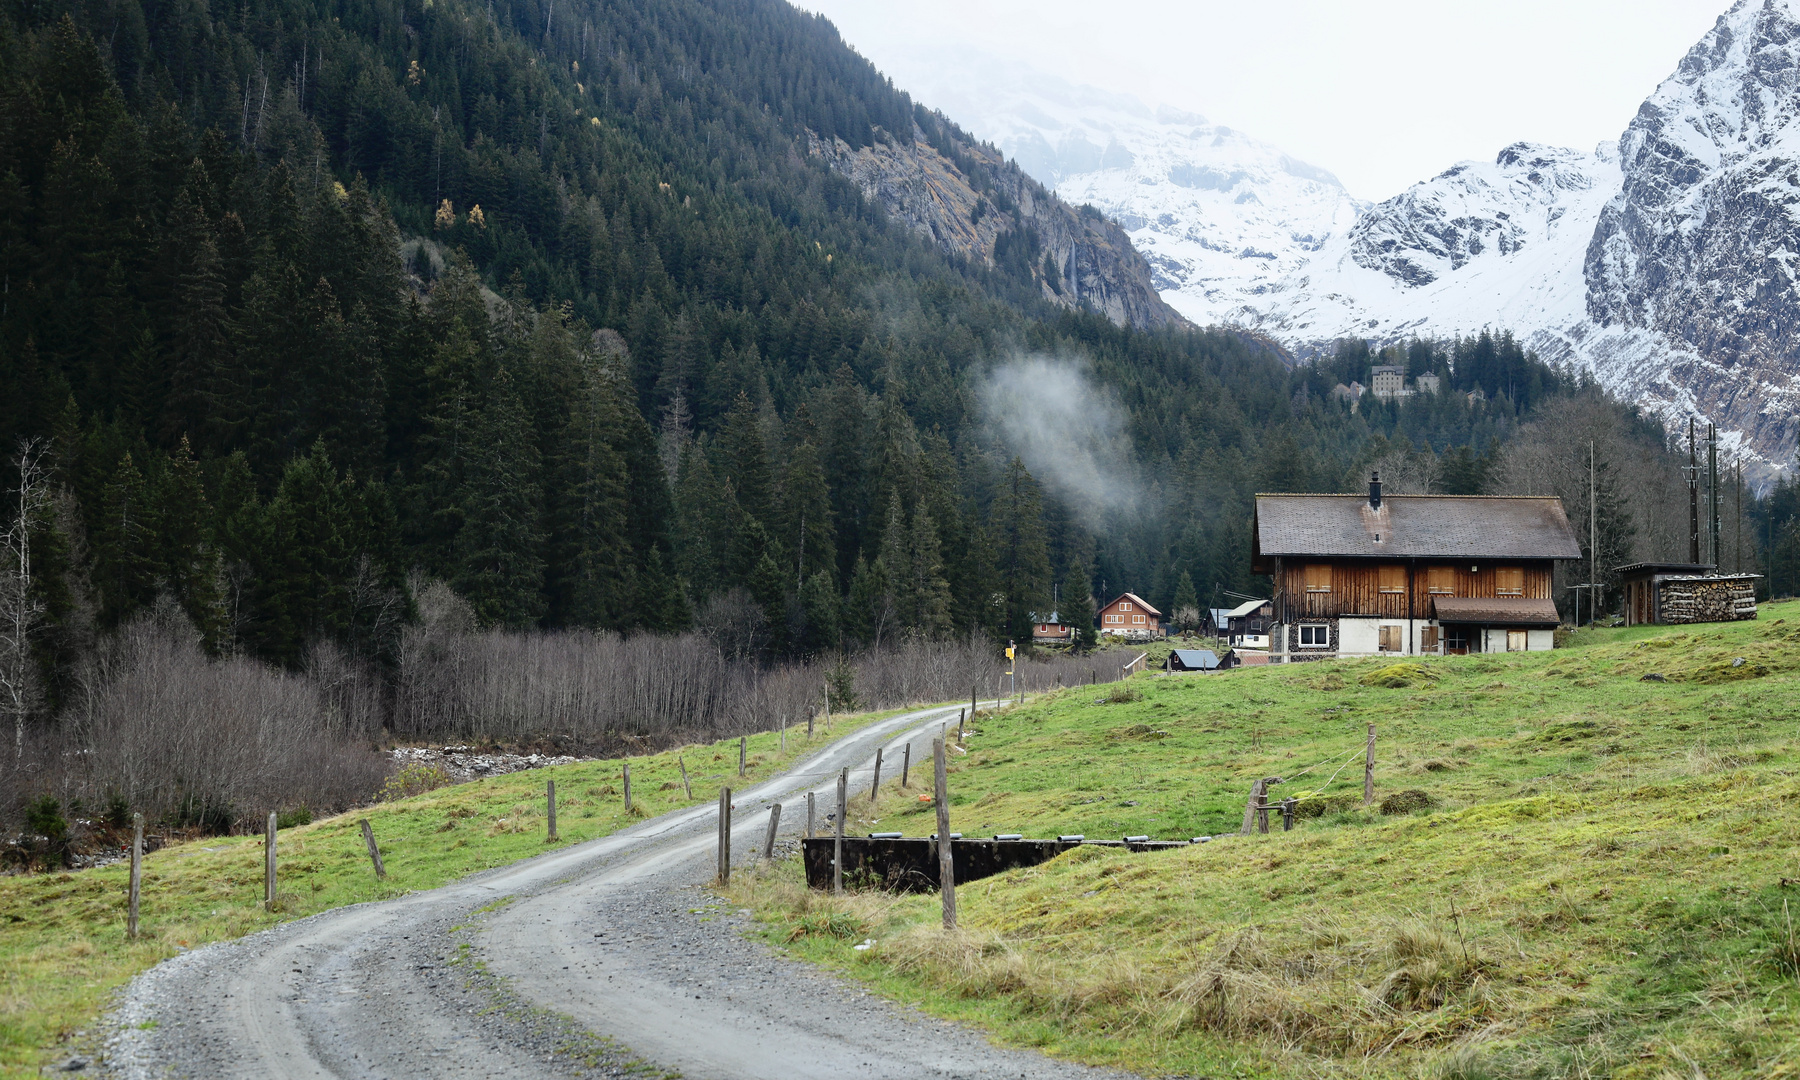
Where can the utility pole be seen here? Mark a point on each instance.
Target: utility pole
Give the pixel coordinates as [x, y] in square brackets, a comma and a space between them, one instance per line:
[1712, 487]
[1737, 530]
[1693, 471]
[1593, 534]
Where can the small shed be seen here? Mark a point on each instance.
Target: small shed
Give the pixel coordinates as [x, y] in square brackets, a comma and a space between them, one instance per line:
[1661, 594]
[1193, 660]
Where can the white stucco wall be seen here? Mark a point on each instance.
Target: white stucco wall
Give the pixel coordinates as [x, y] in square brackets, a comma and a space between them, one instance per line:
[1541, 640]
[1359, 636]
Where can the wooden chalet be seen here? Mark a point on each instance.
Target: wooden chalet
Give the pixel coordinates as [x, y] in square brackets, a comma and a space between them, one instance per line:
[1410, 574]
[1130, 617]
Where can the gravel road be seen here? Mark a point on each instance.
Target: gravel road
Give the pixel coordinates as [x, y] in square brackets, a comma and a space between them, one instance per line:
[603, 959]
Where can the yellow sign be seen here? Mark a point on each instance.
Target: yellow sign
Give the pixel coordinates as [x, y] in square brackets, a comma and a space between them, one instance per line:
[1009, 652]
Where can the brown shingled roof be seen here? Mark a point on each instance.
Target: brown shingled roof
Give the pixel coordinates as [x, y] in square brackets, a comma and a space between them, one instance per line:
[1496, 610]
[1414, 526]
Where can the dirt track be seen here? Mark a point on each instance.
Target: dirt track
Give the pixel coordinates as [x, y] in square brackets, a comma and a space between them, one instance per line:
[601, 959]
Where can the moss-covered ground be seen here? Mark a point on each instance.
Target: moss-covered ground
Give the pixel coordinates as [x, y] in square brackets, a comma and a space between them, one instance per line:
[63, 949]
[1599, 875]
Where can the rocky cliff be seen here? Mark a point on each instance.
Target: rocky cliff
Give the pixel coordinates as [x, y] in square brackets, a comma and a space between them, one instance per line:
[1690, 275]
[986, 210]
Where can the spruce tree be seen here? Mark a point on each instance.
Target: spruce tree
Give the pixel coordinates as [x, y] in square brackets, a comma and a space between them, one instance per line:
[1022, 559]
[499, 566]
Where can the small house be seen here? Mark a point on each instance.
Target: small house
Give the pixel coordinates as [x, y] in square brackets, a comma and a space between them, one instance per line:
[1131, 618]
[1051, 630]
[1192, 660]
[1247, 625]
[1661, 594]
[1410, 574]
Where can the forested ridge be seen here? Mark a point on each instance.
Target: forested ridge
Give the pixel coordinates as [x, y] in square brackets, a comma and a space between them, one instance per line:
[309, 305]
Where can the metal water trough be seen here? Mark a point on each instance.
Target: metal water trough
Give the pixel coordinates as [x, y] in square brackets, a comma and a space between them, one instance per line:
[910, 864]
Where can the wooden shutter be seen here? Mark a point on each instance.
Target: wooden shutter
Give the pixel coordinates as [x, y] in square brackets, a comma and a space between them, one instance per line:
[1318, 577]
[1428, 637]
[1440, 580]
[1509, 581]
[1393, 639]
[1391, 579]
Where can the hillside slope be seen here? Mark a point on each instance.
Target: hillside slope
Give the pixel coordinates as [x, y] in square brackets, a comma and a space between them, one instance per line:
[1589, 854]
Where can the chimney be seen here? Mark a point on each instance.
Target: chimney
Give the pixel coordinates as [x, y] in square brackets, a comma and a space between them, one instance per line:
[1374, 491]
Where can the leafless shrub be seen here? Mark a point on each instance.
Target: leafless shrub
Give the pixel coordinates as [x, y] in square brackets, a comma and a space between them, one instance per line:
[177, 734]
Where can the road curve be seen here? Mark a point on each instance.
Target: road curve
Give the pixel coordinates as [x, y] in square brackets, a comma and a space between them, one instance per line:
[612, 937]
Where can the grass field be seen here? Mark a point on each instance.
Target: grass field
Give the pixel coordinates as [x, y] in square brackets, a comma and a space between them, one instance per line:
[63, 949]
[1599, 878]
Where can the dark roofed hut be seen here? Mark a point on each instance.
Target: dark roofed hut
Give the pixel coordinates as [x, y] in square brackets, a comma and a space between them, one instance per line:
[1670, 593]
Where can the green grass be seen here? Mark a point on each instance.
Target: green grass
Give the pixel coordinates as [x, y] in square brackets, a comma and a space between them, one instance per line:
[63, 949]
[1603, 885]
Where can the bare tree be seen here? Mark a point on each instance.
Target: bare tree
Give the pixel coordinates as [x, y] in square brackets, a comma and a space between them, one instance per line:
[20, 608]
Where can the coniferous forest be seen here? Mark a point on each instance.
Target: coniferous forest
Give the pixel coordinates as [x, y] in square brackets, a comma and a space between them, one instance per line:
[332, 331]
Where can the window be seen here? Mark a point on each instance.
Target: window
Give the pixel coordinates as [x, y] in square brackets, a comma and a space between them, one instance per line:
[1393, 638]
[1137, 618]
[1125, 606]
[1440, 580]
[1509, 581]
[1318, 577]
[1456, 640]
[1391, 579]
[1115, 618]
[1516, 641]
[1315, 636]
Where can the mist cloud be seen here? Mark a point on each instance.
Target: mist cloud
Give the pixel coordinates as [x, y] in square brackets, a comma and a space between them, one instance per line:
[1069, 432]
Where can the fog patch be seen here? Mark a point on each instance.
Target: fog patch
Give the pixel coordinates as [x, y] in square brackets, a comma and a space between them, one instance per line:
[1069, 432]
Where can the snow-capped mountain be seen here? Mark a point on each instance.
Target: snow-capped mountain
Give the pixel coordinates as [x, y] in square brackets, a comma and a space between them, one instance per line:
[1666, 266]
[1220, 216]
[1483, 244]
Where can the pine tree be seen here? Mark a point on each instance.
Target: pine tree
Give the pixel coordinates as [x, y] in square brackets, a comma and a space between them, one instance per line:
[498, 556]
[819, 606]
[189, 557]
[930, 592]
[1185, 611]
[1022, 559]
[1077, 608]
[806, 526]
[304, 561]
[125, 543]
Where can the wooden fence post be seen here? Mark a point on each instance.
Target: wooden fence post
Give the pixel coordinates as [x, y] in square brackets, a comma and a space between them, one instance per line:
[628, 787]
[783, 749]
[972, 692]
[945, 846]
[743, 749]
[809, 815]
[875, 784]
[960, 715]
[905, 763]
[269, 865]
[774, 823]
[550, 799]
[827, 706]
[1369, 769]
[1287, 814]
[809, 723]
[1256, 798]
[724, 836]
[685, 786]
[837, 848]
[374, 852]
[137, 876]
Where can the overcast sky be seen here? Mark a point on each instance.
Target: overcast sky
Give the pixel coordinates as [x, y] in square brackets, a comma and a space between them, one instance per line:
[1381, 92]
